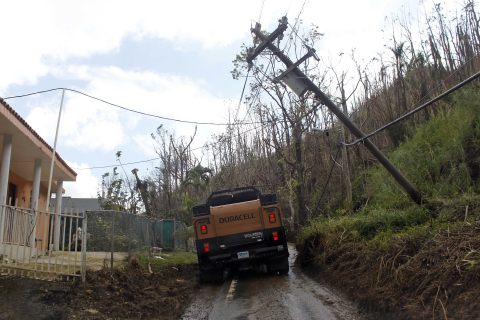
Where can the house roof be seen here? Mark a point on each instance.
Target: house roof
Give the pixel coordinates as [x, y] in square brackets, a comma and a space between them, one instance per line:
[27, 145]
[80, 204]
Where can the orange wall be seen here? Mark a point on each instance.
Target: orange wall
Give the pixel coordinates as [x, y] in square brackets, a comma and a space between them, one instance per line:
[24, 188]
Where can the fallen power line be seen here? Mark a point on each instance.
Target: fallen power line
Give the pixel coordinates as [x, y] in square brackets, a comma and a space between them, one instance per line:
[441, 96]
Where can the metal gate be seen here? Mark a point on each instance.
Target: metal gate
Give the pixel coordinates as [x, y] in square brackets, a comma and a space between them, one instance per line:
[42, 244]
[167, 232]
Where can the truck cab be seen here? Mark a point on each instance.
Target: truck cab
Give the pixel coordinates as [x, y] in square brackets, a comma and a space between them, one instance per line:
[239, 229]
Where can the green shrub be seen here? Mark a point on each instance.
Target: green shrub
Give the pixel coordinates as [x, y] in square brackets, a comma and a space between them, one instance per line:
[441, 159]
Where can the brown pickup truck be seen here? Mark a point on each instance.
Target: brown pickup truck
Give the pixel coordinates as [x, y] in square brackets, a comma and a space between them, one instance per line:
[239, 229]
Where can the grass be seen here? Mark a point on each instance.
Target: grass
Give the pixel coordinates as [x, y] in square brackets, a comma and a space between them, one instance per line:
[441, 158]
[368, 224]
[171, 258]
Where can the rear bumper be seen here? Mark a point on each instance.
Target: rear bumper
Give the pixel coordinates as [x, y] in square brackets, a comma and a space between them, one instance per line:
[255, 257]
[253, 254]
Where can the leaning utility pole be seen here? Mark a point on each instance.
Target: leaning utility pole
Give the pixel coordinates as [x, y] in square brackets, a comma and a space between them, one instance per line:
[299, 83]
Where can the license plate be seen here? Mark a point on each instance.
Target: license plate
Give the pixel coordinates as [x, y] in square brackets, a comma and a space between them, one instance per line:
[242, 254]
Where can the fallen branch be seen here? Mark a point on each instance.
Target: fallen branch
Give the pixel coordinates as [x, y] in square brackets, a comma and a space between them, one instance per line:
[444, 311]
[435, 303]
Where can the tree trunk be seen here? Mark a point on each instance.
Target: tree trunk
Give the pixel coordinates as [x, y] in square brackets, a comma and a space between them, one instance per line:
[345, 159]
[143, 193]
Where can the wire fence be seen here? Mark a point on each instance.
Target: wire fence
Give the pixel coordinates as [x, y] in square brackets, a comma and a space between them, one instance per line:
[113, 237]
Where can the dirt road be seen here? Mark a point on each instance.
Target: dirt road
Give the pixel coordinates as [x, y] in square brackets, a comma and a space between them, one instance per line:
[256, 295]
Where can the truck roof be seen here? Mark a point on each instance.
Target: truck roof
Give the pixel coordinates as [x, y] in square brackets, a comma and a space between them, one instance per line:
[232, 196]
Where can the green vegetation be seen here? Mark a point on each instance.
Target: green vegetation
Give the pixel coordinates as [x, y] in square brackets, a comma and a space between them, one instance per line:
[186, 233]
[441, 159]
[410, 261]
[392, 252]
[171, 258]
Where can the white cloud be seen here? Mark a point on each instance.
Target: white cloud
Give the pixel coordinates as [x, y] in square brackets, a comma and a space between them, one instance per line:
[86, 184]
[145, 144]
[38, 35]
[89, 125]
[42, 117]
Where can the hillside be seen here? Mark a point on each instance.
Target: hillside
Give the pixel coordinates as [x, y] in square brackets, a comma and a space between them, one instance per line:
[400, 258]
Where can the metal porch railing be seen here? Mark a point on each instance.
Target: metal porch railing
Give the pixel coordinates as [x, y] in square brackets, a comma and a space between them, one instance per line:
[42, 244]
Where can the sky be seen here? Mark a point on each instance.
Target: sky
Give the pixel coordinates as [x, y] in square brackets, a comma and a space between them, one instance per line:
[167, 58]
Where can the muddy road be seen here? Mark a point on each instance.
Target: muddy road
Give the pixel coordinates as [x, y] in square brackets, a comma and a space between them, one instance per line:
[256, 295]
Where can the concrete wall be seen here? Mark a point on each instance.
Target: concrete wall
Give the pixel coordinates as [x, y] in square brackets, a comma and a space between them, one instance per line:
[11, 253]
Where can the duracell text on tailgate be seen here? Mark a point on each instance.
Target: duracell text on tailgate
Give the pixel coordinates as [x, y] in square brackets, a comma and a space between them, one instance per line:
[237, 218]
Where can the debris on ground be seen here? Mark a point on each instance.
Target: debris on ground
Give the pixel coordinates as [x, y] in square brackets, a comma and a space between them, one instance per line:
[433, 274]
[129, 293]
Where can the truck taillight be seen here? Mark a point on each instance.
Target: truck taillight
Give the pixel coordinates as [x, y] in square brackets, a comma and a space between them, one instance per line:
[204, 229]
[275, 236]
[206, 246]
[272, 217]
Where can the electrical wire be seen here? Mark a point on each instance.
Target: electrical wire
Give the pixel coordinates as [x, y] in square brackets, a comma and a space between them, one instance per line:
[288, 9]
[328, 179]
[152, 115]
[442, 82]
[297, 20]
[262, 72]
[243, 90]
[295, 32]
[458, 86]
[135, 111]
[153, 159]
[257, 94]
[470, 79]
[33, 93]
[116, 165]
[261, 10]
[131, 110]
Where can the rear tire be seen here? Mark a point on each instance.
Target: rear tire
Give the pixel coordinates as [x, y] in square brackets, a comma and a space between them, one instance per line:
[284, 271]
[211, 275]
[280, 265]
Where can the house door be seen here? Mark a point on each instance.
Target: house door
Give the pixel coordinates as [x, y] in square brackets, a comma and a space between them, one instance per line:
[11, 194]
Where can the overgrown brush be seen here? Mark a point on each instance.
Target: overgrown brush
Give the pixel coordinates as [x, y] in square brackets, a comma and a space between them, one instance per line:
[428, 271]
[442, 157]
[392, 251]
[366, 225]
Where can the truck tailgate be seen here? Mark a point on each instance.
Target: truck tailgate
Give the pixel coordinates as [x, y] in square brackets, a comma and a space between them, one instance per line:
[238, 224]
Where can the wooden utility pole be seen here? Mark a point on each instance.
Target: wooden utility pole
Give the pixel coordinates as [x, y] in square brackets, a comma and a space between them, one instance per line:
[301, 79]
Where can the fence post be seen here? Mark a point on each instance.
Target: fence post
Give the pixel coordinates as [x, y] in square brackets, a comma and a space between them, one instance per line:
[84, 246]
[113, 239]
[174, 235]
[130, 236]
[2, 226]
